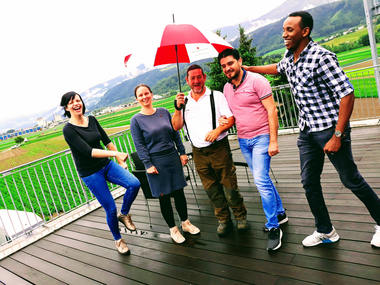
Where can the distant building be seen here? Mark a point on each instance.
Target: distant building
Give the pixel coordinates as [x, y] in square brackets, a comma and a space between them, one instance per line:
[41, 122]
[110, 110]
[57, 118]
[19, 133]
[155, 97]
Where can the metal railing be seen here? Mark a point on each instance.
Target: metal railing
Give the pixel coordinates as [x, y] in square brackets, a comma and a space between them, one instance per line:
[41, 191]
[366, 106]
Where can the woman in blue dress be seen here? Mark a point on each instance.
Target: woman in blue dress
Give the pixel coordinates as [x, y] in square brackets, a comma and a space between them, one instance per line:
[157, 146]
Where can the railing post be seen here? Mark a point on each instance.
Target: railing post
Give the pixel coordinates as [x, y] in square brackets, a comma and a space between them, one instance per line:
[369, 7]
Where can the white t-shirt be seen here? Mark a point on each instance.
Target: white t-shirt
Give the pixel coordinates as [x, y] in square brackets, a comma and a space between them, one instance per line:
[198, 116]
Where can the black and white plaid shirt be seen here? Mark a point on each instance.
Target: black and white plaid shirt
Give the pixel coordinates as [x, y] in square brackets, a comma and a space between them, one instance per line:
[318, 83]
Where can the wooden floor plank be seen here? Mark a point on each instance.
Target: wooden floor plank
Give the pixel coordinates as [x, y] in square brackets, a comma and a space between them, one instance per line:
[309, 275]
[57, 272]
[78, 265]
[8, 277]
[180, 267]
[83, 252]
[27, 272]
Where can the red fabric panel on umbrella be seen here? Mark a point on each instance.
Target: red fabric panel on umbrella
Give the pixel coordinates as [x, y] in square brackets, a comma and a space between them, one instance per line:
[126, 59]
[182, 34]
[166, 55]
[220, 48]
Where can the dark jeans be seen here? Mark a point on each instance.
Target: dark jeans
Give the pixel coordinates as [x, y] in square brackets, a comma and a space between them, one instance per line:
[312, 157]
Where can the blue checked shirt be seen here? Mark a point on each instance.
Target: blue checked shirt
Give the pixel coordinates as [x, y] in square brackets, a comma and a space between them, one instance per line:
[318, 84]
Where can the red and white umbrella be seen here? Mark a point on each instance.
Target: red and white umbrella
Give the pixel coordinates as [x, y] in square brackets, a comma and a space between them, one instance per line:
[185, 43]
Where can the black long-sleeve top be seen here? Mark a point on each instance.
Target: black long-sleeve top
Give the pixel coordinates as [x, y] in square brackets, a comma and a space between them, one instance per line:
[81, 141]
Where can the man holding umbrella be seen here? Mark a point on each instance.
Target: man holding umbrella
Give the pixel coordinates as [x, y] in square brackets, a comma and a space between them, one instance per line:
[211, 149]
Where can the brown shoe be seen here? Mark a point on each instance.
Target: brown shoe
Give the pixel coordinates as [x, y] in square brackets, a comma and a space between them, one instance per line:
[122, 247]
[127, 221]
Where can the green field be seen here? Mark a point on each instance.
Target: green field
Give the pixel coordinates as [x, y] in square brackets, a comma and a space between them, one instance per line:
[277, 51]
[356, 56]
[351, 37]
[51, 141]
[123, 118]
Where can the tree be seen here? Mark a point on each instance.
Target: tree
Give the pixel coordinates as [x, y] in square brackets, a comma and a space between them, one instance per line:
[10, 131]
[216, 78]
[247, 52]
[19, 140]
[364, 40]
[172, 93]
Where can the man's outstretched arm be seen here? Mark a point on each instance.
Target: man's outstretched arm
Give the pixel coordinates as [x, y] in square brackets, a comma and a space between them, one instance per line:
[266, 69]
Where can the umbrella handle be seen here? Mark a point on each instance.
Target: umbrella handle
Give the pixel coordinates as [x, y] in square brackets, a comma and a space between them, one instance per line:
[182, 107]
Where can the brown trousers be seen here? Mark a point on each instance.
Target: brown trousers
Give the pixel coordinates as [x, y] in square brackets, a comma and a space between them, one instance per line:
[218, 175]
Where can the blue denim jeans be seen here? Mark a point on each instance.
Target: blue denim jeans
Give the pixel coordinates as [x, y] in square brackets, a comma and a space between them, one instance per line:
[255, 152]
[97, 183]
[312, 158]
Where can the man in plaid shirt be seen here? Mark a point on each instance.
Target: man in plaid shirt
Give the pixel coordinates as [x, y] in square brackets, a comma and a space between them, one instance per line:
[325, 99]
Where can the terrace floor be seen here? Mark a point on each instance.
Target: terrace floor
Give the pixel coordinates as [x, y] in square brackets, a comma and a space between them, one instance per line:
[83, 252]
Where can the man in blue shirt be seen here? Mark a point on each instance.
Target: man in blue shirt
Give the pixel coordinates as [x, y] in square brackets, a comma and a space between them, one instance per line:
[325, 99]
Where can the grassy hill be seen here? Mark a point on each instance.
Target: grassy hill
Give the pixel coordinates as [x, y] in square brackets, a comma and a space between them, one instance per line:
[351, 37]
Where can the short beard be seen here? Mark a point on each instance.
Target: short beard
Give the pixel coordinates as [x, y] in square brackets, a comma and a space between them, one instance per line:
[236, 75]
[203, 88]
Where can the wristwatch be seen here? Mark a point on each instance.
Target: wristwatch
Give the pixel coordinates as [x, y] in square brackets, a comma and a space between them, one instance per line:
[338, 134]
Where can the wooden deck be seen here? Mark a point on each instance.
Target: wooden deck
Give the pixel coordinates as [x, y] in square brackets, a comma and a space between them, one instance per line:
[83, 252]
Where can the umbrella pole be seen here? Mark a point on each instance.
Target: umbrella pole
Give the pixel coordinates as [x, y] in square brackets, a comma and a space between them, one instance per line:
[176, 56]
[179, 78]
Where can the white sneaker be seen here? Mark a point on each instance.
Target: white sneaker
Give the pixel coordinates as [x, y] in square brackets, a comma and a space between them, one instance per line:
[176, 235]
[317, 238]
[376, 237]
[190, 228]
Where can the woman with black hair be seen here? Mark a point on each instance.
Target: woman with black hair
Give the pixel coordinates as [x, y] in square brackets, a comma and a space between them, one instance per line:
[83, 135]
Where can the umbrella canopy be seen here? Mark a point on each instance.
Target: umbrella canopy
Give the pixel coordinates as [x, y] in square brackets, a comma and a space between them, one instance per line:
[192, 45]
[185, 43]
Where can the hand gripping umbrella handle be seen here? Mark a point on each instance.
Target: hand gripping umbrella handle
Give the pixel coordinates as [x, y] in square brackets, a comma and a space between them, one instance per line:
[182, 107]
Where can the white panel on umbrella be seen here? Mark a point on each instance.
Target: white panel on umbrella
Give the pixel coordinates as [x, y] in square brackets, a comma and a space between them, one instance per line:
[200, 51]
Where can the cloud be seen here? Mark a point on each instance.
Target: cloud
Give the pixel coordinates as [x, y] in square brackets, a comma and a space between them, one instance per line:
[52, 47]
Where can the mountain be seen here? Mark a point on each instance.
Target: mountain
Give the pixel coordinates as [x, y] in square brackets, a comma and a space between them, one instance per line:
[95, 94]
[91, 96]
[266, 31]
[124, 92]
[273, 16]
[328, 19]
[161, 81]
[266, 39]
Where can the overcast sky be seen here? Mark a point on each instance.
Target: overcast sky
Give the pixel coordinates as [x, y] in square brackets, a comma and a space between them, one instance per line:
[51, 47]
